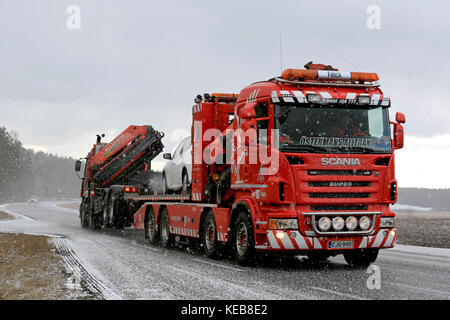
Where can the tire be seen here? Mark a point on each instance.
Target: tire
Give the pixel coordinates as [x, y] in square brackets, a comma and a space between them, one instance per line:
[361, 257]
[116, 220]
[185, 185]
[151, 228]
[164, 230]
[243, 240]
[209, 236]
[83, 217]
[105, 219]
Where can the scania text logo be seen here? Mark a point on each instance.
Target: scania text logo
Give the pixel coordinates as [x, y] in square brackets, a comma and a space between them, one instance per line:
[340, 162]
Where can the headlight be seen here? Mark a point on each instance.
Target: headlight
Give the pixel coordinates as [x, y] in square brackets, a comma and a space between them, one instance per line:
[283, 224]
[387, 222]
[324, 223]
[351, 223]
[364, 223]
[338, 223]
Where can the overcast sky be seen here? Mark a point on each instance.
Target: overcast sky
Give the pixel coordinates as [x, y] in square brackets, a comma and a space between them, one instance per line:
[142, 62]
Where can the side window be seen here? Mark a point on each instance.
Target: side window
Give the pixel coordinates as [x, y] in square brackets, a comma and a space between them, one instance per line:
[262, 110]
[187, 144]
[262, 122]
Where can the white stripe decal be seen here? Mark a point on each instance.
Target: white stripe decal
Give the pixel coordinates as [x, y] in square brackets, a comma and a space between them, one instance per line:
[389, 240]
[326, 95]
[300, 96]
[375, 99]
[351, 96]
[317, 244]
[287, 241]
[363, 243]
[287, 96]
[273, 242]
[274, 96]
[300, 241]
[378, 240]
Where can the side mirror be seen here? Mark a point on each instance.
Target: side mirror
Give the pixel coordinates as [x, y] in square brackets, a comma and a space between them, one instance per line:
[78, 165]
[400, 117]
[248, 111]
[167, 156]
[398, 136]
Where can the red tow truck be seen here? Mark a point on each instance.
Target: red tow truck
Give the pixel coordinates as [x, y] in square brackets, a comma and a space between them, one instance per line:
[302, 163]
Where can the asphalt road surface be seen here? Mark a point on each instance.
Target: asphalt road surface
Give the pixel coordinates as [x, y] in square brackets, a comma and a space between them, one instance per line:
[128, 268]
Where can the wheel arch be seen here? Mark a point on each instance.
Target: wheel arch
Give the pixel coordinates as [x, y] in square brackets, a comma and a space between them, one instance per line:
[203, 215]
[240, 206]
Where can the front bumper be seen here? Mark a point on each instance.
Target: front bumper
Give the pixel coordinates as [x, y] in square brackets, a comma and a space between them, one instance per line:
[293, 240]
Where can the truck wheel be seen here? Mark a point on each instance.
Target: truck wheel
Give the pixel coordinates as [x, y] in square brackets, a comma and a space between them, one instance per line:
[83, 217]
[361, 257]
[244, 244]
[116, 219]
[151, 230]
[105, 221]
[164, 230]
[209, 236]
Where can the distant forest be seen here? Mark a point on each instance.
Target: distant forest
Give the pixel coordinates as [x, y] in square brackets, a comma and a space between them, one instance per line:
[25, 173]
[438, 199]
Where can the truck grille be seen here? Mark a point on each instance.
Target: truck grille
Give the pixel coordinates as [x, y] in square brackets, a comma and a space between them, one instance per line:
[331, 207]
[335, 187]
[339, 172]
[339, 195]
[339, 184]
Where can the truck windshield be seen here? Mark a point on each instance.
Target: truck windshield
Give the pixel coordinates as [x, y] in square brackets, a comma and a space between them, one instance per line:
[333, 128]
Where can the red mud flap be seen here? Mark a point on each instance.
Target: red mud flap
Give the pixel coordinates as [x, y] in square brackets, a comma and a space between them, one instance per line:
[293, 240]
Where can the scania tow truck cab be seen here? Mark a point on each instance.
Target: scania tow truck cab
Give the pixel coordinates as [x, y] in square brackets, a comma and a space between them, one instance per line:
[330, 177]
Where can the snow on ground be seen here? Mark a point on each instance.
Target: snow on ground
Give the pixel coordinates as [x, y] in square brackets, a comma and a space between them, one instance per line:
[409, 207]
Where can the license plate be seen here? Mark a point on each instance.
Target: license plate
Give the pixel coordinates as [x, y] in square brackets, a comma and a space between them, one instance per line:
[340, 244]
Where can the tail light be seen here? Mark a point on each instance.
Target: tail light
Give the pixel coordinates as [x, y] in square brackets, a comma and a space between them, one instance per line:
[130, 189]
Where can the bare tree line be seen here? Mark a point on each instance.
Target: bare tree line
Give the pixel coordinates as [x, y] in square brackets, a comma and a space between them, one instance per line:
[25, 173]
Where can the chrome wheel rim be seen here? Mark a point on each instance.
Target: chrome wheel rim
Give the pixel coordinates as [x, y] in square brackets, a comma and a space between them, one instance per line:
[241, 239]
[151, 227]
[111, 208]
[210, 235]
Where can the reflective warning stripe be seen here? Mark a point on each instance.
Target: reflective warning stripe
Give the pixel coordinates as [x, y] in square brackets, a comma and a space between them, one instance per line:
[274, 97]
[286, 96]
[293, 240]
[272, 241]
[378, 240]
[326, 95]
[363, 243]
[375, 99]
[351, 96]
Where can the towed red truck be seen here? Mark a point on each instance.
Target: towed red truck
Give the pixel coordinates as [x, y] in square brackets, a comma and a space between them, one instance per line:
[302, 163]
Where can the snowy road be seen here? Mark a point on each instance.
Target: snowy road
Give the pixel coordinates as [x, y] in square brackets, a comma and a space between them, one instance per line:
[131, 269]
